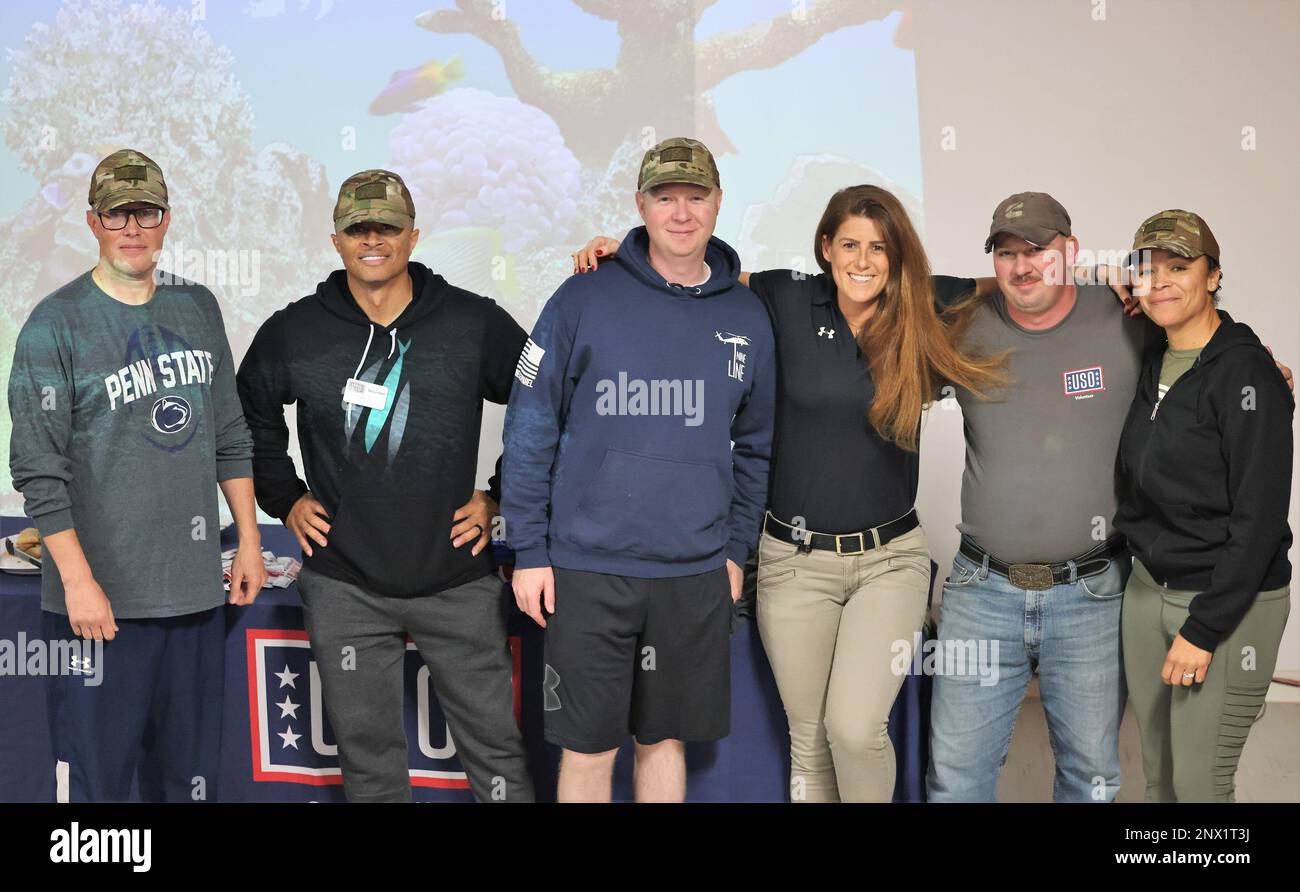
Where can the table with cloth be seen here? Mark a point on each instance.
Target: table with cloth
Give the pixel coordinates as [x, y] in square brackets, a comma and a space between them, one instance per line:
[277, 745]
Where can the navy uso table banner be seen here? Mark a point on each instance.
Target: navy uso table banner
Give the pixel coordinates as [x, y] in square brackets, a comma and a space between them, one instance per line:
[277, 745]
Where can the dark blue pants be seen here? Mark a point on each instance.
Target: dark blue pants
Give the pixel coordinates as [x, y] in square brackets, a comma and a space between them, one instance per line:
[154, 719]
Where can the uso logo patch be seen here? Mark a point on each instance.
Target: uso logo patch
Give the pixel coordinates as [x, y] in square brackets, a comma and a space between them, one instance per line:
[1084, 381]
[291, 737]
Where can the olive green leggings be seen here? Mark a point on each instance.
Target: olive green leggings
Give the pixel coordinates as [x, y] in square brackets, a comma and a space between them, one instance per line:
[1192, 736]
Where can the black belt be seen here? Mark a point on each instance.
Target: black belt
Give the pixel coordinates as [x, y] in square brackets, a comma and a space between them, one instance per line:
[1038, 577]
[846, 543]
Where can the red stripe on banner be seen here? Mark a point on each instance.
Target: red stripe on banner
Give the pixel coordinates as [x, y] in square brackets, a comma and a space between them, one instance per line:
[315, 780]
[250, 677]
[446, 783]
[252, 636]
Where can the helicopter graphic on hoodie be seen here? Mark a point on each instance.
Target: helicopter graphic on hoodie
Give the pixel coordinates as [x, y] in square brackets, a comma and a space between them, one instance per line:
[736, 367]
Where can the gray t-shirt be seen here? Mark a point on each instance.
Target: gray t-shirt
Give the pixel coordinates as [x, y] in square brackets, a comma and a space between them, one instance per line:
[125, 418]
[1039, 484]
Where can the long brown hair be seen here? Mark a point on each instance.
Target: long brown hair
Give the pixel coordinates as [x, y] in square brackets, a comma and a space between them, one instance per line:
[911, 352]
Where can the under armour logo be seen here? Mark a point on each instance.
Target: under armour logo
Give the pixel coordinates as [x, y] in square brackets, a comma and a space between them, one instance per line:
[824, 332]
[80, 665]
[550, 699]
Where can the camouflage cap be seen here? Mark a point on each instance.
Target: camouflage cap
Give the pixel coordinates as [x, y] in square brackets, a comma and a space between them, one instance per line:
[1182, 232]
[126, 176]
[374, 196]
[678, 160]
[1035, 217]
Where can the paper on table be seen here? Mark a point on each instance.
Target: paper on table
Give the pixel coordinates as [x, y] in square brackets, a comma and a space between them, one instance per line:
[280, 571]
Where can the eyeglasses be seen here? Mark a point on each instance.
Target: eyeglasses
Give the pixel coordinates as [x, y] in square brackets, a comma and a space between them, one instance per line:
[145, 218]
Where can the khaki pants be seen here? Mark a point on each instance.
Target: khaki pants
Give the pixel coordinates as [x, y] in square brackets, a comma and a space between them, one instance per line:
[830, 625]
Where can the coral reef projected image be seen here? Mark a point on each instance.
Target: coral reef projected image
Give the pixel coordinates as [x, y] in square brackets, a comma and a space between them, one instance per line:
[519, 126]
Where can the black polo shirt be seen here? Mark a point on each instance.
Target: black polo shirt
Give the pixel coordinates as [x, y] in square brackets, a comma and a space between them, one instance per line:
[829, 466]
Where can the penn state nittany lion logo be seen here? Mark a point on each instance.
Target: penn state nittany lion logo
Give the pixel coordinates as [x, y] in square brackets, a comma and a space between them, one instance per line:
[145, 345]
[171, 415]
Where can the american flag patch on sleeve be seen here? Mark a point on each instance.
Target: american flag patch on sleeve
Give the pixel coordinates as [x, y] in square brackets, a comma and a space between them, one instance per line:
[530, 361]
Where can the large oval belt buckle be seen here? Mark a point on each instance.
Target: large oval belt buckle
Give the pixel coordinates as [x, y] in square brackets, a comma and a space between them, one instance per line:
[1035, 577]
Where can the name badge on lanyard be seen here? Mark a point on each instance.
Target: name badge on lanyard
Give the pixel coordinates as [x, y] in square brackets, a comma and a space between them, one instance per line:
[363, 393]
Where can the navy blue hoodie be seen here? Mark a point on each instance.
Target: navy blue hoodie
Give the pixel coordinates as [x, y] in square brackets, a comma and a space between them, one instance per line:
[627, 398]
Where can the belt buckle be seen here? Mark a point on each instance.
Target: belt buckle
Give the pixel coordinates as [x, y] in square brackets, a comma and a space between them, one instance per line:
[1035, 577]
[862, 544]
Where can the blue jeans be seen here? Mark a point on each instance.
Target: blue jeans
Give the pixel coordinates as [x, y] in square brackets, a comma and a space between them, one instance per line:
[1069, 634]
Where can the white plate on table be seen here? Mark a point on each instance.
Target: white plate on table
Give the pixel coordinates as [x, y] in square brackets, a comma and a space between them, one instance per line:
[10, 563]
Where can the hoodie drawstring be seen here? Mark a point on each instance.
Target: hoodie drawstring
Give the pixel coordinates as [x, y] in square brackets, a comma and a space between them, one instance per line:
[689, 289]
[392, 346]
[369, 338]
[357, 374]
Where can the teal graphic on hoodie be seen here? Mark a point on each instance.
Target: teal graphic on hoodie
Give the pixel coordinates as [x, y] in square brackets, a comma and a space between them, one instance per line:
[396, 405]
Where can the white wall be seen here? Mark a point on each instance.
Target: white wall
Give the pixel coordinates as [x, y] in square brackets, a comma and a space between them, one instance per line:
[1117, 118]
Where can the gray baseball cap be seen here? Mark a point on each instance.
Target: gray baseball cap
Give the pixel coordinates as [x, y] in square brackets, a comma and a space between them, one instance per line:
[1035, 217]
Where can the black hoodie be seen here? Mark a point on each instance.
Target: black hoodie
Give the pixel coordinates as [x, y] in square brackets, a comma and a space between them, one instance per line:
[1204, 480]
[390, 478]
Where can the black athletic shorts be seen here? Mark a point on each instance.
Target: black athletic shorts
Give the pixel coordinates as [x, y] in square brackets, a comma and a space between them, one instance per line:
[646, 657]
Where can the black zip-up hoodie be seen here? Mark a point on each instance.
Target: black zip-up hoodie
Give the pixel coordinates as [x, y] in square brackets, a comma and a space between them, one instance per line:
[1204, 480]
[390, 478]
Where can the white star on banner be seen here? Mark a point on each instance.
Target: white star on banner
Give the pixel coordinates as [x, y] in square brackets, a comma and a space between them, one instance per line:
[286, 677]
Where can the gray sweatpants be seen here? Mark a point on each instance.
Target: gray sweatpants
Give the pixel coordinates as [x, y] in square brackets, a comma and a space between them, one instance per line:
[461, 634]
